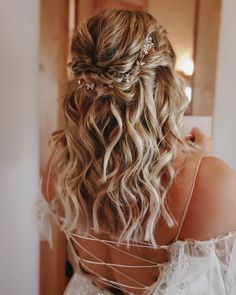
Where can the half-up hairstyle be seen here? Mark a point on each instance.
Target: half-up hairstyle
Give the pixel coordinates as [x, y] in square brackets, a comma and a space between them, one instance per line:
[121, 135]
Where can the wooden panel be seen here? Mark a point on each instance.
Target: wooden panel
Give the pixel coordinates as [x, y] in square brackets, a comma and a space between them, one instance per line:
[87, 8]
[120, 4]
[52, 265]
[177, 16]
[52, 69]
[206, 48]
[52, 86]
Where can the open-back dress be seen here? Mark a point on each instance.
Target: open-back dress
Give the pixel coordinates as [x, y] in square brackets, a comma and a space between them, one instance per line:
[194, 267]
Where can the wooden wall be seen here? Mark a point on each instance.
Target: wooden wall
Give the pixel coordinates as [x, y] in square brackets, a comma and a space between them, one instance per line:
[52, 69]
[193, 29]
[205, 57]
[88, 8]
[52, 86]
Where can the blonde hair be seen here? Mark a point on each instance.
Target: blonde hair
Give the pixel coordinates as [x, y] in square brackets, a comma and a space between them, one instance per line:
[120, 138]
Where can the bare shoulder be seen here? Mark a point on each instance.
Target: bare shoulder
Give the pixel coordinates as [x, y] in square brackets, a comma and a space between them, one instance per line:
[215, 177]
[212, 210]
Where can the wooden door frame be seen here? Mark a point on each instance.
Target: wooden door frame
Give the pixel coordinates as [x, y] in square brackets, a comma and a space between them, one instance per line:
[206, 39]
[52, 87]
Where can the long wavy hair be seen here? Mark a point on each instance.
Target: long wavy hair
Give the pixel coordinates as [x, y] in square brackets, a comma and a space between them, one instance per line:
[120, 137]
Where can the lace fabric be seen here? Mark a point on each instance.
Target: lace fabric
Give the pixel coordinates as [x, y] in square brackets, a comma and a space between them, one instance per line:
[195, 267]
[82, 285]
[199, 268]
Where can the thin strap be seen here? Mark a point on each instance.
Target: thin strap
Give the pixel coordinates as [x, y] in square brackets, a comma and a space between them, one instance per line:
[111, 282]
[187, 204]
[127, 253]
[117, 265]
[109, 266]
[139, 244]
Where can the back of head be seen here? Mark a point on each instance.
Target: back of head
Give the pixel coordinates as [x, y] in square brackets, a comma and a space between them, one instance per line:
[122, 118]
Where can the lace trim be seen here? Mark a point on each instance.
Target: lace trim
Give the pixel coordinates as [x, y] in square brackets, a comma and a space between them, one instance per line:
[218, 238]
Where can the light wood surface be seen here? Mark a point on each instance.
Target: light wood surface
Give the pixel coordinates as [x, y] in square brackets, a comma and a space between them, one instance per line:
[205, 59]
[52, 69]
[52, 86]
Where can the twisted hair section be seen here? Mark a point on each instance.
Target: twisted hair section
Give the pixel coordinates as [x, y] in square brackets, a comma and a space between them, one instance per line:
[120, 138]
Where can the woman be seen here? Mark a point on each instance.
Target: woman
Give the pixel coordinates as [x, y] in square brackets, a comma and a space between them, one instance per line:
[142, 212]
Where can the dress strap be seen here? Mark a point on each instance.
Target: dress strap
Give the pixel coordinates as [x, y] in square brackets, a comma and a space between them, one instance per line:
[197, 162]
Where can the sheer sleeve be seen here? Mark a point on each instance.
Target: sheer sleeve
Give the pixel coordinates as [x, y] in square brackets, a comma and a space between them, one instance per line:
[45, 205]
[200, 267]
[44, 214]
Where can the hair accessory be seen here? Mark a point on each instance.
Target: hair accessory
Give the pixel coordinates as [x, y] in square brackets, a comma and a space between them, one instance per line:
[90, 86]
[148, 45]
[87, 85]
[127, 77]
[135, 71]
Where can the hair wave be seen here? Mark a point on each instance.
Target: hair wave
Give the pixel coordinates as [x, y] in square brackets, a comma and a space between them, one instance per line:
[119, 141]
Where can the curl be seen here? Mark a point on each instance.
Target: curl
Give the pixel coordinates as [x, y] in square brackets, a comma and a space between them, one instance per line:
[119, 139]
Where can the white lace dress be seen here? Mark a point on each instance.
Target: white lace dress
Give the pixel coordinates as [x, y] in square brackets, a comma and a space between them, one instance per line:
[195, 267]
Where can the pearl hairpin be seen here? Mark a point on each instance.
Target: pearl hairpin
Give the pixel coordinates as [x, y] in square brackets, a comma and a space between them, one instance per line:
[148, 46]
[87, 85]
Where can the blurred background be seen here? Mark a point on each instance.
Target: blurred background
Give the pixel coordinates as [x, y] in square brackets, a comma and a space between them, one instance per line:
[34, 51]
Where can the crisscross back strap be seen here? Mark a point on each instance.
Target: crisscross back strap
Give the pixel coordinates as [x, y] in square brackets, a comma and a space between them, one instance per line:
[196, 164]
